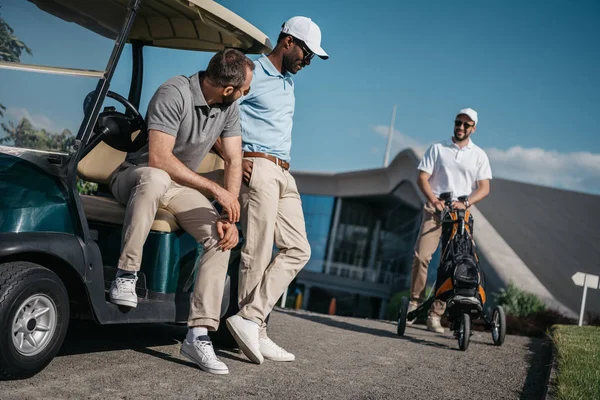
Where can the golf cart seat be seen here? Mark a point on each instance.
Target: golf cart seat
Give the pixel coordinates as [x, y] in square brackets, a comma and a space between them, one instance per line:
[99, 165]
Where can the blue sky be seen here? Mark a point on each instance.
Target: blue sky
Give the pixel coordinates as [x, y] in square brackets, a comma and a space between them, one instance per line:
[528, 68]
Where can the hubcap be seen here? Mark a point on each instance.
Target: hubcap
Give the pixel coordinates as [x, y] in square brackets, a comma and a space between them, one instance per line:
[34, 324]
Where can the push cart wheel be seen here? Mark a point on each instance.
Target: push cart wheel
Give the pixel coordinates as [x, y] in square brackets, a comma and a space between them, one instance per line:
[498, 325]
[402, 312]
[464, 332]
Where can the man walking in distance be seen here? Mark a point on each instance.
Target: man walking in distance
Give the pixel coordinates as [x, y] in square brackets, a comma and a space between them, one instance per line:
[458, 166]
[271, 206]
[185, 117]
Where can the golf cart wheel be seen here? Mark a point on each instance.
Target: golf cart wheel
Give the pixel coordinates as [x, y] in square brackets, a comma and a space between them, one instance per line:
[464, 332]
[498, 325]
[34, 315]
[402, 312]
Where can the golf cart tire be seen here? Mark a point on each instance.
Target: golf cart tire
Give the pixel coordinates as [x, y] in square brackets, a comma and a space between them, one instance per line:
[402, 313]
[25, 285]
[466, 322]
[498, 314]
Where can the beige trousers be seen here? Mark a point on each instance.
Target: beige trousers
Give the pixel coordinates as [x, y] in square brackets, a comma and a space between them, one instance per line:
[427, 242]
[143, 190]
[271, 212]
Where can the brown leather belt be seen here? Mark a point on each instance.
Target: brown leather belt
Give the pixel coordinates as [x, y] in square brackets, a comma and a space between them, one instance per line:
[283, 164]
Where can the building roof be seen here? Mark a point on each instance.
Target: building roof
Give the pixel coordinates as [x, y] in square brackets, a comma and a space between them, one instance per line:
[554, 232]
[399, 178]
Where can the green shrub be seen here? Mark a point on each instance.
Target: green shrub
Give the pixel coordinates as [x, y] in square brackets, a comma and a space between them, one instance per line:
[84, 187]
[517, 302]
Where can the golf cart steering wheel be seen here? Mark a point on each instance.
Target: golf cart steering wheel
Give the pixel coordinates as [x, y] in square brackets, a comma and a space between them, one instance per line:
[117, 129]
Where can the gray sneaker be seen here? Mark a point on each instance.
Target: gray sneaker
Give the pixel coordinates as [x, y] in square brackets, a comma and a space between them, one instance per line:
[202, 353]
[434, 325]
[122, 292]
[412, 306]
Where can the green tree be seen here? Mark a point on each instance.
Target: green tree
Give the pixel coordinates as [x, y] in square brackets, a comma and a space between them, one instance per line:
[11, 47]
[25, 135]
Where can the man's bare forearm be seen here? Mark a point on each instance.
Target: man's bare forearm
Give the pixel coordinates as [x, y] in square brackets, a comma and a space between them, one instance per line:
[426, 190]
[233, 175]
[181, 174]
[483, 189]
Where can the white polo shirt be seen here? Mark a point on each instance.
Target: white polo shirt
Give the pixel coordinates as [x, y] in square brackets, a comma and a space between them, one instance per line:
[454, 169]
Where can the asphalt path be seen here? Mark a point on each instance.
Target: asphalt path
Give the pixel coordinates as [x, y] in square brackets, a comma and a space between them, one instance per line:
[336, 358]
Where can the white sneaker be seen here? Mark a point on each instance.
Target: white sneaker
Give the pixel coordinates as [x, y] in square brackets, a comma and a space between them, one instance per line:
[434, 325]
[245, 333]
[412, 306]
[122, 292]
[202, 353]
[271, 351]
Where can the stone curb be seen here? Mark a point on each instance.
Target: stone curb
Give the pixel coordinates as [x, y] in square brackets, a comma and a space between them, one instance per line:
[551, 376]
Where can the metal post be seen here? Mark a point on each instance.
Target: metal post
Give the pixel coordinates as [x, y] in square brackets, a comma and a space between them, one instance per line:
[390, 135]
[284, 298]
[583, 299]
[333, 233]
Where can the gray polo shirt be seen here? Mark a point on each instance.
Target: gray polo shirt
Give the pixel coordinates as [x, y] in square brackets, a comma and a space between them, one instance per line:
[178, 108]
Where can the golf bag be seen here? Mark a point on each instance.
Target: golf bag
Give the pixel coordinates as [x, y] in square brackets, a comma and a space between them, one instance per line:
[459, 272]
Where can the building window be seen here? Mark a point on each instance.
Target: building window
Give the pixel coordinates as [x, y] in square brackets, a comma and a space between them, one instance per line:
[318, 213]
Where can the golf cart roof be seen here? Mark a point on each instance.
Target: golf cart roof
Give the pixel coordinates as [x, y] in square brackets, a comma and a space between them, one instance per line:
[176, 24]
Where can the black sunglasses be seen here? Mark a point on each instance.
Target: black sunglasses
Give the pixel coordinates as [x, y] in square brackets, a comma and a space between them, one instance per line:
[308, 55]
[466, 124]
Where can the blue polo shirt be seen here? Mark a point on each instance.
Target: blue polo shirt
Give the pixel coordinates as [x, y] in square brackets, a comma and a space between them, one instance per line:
[266, 112]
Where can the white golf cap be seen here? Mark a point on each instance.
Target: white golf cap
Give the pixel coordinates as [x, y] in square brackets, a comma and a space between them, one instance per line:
[469, 112]
[304, 29]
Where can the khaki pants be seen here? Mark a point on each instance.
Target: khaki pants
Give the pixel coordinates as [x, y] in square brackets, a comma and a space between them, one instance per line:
[427, 243]
[143, 190]
[271, 211]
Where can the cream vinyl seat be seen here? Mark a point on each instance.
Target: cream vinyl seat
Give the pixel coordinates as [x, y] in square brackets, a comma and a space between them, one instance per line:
[100, 164]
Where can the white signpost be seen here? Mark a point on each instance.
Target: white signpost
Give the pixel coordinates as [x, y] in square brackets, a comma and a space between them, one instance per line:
[587, 281]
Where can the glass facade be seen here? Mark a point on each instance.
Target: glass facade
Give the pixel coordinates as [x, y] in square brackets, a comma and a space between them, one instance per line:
[318, 214]
[374, 241]
[368, 239]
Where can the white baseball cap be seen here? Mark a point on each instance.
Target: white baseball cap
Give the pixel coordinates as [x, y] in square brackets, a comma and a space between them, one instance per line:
[304, 29]
[469, 112]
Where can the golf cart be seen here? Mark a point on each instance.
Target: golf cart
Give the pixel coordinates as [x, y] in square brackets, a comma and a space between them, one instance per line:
[59, 248]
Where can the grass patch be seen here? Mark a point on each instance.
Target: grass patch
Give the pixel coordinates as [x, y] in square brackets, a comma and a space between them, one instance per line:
[578, 362]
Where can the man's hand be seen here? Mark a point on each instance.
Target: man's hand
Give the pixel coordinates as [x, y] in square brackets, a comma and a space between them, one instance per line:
[229, 202]
[459, 205]
[439, 205]
[228, 233]
[247, 171]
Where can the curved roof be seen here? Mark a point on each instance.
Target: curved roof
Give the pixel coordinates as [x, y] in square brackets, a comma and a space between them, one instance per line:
[399, 178]
[553, 232]
[177, 24]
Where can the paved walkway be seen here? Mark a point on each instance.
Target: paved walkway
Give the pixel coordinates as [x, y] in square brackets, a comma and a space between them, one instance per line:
[337, 358]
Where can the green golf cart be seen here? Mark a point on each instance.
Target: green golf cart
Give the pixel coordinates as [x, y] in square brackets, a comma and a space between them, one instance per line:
[59, 247]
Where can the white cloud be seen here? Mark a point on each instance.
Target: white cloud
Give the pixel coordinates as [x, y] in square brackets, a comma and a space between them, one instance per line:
[578, 171]
[38, 121]
[575, 171]
[400, 141]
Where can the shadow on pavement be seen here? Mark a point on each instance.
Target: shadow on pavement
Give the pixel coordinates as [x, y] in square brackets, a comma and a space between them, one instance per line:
[363, 329]
[539, 359]
[340, 324]
[88, 337]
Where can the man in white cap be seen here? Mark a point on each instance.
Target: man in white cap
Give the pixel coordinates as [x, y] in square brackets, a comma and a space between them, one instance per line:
[458, 166]
[271, 210]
